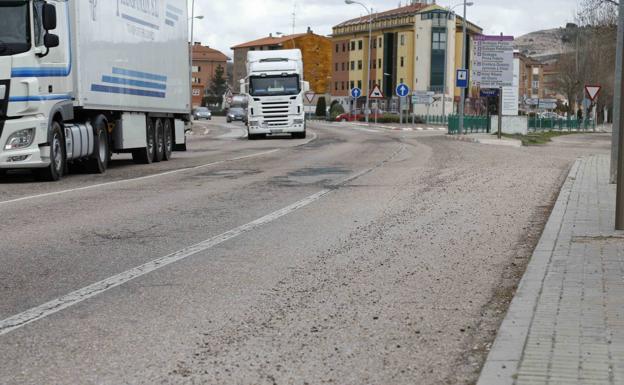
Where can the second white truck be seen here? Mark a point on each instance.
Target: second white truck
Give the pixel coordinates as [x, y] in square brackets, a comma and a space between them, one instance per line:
[275, 90]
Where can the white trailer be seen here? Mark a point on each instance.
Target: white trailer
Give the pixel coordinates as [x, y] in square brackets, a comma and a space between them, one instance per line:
[82, 79]
[275, 89]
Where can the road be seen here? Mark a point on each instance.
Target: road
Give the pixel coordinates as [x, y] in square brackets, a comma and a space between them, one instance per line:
[356, 256]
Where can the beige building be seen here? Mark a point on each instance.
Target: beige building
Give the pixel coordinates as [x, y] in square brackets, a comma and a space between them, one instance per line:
[206, 60]
[418, 45]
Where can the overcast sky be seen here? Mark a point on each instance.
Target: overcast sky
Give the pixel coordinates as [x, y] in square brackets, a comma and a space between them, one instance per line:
[230, 22]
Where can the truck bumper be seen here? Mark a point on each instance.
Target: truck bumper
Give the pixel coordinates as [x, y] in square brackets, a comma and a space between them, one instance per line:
[37, 155]
[276, 130]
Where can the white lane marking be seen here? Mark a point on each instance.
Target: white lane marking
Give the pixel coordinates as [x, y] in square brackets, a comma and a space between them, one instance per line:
[31, 197]
[15, 322]
[29, 316]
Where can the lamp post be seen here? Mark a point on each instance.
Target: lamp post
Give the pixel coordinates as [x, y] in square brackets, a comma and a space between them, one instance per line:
[370, 43]
[463, 63]
[192, 18]
[469, 4]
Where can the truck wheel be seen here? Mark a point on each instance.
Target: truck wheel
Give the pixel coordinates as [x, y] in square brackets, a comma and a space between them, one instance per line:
[98, 162]
[146, 155]
[56, 169]
[168, 139]
[159, 149]
[299, 135]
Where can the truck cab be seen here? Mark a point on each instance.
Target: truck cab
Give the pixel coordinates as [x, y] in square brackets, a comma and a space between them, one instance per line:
[275, 90]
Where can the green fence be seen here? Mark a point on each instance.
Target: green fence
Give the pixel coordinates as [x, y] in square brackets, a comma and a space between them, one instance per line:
[432, 119]
[562, 124]
[472, 124]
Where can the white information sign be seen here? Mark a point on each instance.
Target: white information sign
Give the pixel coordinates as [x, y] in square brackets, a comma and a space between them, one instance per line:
[492, 66]
[510, 101]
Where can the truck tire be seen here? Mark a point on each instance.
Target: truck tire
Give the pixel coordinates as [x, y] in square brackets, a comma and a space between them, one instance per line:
[159, 149]
[98, 162]
[58, 160]
[168, 139]
[146, 155]
[299, 135]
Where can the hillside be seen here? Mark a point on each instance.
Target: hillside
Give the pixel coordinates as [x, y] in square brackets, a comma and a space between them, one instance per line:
[542, 43]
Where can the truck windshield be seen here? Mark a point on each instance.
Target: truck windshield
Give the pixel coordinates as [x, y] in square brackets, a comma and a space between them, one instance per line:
[274, 85]
[15, 31]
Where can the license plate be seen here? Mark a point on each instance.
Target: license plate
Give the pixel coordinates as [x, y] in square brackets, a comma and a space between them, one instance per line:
[276, 131]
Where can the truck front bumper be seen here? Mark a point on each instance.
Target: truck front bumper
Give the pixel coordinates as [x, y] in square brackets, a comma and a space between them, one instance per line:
[266, 129]
[37, 155]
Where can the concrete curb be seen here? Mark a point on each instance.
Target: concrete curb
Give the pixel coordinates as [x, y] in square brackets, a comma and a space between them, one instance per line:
[504, 359]
[493, 142]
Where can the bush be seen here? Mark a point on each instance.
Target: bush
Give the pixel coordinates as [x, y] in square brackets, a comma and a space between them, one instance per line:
[321, 106]
[335, 110]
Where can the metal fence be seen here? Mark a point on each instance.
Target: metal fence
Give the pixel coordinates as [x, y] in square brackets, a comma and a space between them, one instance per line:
[561, 124]
[432, 119]
[472, 124]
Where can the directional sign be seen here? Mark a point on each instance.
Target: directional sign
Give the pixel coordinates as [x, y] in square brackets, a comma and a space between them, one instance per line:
[402, 90]
[376, 93]
[462, 79]
[422, 97]
[356, 93]
[593, 91]
[310, 96]
[493, 61]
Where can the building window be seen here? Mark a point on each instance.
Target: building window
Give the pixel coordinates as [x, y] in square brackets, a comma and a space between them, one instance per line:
[252, 48]
[352, 84]
[402, 39]
[374, 43]
[336, 67]
[352, 65]
[402, 61]
[360, 44]
[337, 47]
[343, 66]
[196, 69]
[343, 86]
[379, 65]
[374, 66]
[439, 39]
[401, 81]
[359, 64]
[380, 40]
[344, 47]
[336, 87]
[359, 84]
[353, 46]
[438, 53]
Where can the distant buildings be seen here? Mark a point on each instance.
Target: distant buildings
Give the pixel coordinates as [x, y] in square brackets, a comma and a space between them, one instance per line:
[206, 60]
[316, 51]
[418, 44]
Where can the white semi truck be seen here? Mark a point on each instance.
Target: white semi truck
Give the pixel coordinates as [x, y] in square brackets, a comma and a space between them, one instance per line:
[275, 90]
[81, 79]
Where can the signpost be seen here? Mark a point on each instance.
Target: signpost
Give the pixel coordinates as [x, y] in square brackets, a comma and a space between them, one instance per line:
[376, 94]
[355, 94]
[310, 96]
[402, 91]
[493, 67]
[592, 92]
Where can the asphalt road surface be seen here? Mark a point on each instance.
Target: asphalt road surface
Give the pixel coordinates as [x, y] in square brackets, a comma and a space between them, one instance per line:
[357, 256]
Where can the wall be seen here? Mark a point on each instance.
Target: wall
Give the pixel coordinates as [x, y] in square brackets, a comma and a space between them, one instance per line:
[511, 125]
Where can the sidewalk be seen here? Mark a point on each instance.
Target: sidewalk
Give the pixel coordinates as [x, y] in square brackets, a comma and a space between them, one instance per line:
[565, 325]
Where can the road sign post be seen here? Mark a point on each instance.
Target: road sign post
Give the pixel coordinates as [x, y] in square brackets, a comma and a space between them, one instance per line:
[493, 67]
[376, 94]
[619, 207]
[402, 91]
[355, 94]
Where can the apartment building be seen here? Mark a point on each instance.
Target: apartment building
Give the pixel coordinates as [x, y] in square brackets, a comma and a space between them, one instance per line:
[206, 60]
[418, 44]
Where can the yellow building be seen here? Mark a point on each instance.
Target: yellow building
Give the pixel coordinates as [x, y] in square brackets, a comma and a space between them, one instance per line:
[409, 45]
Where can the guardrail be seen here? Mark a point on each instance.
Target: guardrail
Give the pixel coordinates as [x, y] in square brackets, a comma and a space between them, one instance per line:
[561, 124]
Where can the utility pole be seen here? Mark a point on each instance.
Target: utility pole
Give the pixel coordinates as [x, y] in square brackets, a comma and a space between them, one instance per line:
[619, 207]
[463, 64]
[617, 95]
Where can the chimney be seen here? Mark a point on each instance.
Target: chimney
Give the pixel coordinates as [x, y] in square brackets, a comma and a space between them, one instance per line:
[271, 34]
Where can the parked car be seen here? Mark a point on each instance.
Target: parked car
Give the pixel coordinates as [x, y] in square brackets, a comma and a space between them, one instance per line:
[202, 113]
[346, 117]
[235, 114]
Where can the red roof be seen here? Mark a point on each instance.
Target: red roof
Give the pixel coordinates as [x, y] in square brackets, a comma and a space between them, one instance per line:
[270, 40]
[393, 13]
[201, 52]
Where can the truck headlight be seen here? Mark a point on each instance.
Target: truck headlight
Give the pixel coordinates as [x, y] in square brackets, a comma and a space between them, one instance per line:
[298, 121]
[253, 123]
[20, 139]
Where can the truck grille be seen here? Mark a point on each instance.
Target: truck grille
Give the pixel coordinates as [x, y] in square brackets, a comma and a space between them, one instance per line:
[275, 113]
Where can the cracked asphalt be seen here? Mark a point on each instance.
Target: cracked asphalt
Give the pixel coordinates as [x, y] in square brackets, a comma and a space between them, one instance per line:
[400, 274]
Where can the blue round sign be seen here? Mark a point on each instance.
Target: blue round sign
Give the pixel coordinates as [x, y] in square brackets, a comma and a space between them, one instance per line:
[356, 92]
[402, 90]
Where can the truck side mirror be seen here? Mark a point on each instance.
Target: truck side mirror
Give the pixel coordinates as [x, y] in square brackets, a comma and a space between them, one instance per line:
[306, 86]
[48, 17]
[50, 40]
[243, 89]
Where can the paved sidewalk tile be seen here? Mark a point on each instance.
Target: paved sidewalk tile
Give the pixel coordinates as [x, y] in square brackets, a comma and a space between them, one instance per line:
[566, 323]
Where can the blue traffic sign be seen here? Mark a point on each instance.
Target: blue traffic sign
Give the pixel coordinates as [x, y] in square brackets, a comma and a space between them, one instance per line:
[402, 90]
[462, 79]
[356, 92]
[489, 92]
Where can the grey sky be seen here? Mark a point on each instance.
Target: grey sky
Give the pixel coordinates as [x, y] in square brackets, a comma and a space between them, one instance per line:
[230, 22]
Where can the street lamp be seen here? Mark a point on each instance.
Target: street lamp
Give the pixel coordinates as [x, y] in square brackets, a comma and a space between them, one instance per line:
[463, 63]
[468, 4]
[370, 43]
[192, 19]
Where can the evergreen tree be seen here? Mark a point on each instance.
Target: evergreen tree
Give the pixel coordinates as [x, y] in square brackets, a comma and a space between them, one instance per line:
[219, 83]
[321, 106]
